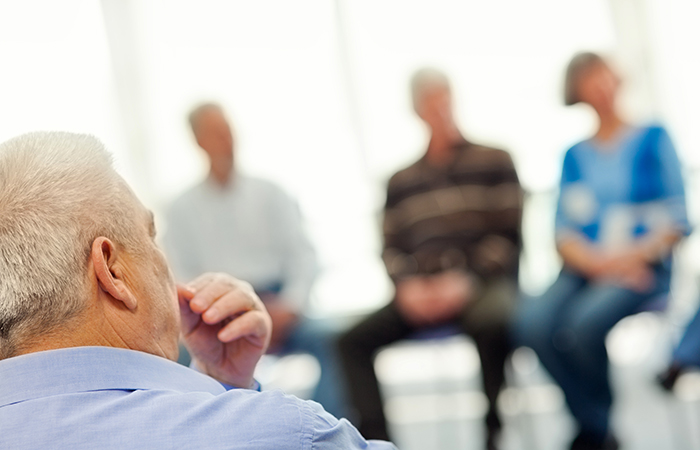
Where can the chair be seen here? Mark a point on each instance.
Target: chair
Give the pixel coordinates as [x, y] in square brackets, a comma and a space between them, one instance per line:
[425, 385]
[457, 392]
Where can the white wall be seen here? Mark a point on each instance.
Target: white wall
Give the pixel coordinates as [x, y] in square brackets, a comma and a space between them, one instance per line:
[318, 94]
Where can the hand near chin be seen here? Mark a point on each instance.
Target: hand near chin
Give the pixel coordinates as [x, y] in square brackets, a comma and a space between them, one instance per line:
[225, 327]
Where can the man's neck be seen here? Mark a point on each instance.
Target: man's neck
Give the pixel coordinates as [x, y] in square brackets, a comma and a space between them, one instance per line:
[61, 337]
[441, 147]
[221, 179]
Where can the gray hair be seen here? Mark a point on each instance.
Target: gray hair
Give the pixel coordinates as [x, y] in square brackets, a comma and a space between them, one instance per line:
[196, 113]
[425, 79]
[58, 192]
[579, 64]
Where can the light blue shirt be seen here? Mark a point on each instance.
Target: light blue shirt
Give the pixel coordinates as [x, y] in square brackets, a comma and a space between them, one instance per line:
[250, 229]
[108, 398]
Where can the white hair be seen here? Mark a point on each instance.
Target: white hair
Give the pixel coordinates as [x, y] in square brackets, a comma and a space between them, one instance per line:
[58, 192]
[425, 79]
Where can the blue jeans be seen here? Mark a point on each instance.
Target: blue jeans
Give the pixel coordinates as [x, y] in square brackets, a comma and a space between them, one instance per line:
[320, 341]
[688, 351]
[567, 327]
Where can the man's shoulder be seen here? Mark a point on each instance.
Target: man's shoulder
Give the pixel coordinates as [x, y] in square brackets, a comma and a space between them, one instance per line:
[261, 185]
[406, 176]
[488, 154]
[261, 190]
[279, 420]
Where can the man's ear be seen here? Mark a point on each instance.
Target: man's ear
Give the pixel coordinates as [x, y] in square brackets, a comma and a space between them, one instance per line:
[107, 261]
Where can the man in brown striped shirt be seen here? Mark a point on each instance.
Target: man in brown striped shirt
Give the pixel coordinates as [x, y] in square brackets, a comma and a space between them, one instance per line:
[451, 246]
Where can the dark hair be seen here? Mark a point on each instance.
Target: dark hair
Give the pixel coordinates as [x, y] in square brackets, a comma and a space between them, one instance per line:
[579, 64]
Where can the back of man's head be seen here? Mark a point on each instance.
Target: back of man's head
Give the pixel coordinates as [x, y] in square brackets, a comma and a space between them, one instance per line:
[58, 191]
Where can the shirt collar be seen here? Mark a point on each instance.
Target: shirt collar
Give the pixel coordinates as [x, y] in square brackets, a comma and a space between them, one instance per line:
[234, 183]
[459, 146]
[82, 369]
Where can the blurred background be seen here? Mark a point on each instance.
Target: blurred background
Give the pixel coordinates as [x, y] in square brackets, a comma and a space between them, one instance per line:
[317, 91]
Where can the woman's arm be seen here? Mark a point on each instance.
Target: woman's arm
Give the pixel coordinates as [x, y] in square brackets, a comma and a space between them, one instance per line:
[628, 269]
[657, 245]
[581, 257]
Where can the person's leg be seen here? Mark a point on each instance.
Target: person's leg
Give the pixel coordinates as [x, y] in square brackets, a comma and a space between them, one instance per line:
[487, 321]
[319, 340]
[539, 324]
[357, 349]
[536, 323]
[580, 338]
[567, 328]
[688, 351]
[494, 346]
[686, 354]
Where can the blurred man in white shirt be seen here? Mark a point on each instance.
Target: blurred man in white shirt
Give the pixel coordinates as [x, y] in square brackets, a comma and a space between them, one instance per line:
[249, 227]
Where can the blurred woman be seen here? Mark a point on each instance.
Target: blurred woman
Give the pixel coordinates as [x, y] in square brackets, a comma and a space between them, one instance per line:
[620, 212]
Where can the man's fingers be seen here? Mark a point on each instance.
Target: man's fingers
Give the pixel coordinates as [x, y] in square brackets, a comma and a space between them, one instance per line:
[184, 292]
[206, 296]
[201, 281]
[231, 303]
[209, 292]
[188, 318]
[254, 325]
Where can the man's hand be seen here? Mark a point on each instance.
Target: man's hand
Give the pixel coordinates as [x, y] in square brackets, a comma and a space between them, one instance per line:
[225, 327]
[454, 290]
[426, 300]
[413, 298]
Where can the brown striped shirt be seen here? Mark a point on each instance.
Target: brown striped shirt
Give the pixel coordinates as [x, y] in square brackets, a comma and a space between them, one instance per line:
[463, 216]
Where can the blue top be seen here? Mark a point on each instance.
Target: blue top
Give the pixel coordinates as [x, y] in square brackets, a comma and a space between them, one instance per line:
[615, 193]
[108, 398]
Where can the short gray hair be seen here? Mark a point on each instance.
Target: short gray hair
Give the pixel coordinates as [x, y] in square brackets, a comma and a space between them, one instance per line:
[424, 79]
[58, 192]
[194, 115]
[580, 63]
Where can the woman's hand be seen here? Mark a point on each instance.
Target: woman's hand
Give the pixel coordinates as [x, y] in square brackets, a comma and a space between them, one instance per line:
[630, 270]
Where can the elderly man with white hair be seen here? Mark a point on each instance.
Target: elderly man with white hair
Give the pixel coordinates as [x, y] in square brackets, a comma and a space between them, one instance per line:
[90, 319]
[248, 227]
